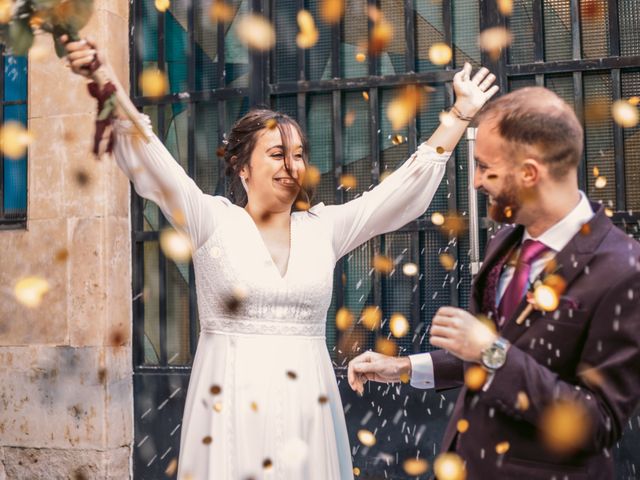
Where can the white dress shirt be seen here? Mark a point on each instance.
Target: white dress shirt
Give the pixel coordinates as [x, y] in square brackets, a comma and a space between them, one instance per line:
[556, 238]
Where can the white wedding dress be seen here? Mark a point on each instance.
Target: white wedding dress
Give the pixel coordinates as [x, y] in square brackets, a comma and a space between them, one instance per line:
[263, 401]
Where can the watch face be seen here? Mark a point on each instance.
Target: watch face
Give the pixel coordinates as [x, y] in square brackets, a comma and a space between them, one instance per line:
[494, 357]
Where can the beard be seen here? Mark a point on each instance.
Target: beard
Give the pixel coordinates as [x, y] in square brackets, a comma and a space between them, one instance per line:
[506, 205]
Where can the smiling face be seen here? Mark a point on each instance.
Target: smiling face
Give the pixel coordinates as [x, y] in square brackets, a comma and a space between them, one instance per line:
[268, 181]
[495, 174]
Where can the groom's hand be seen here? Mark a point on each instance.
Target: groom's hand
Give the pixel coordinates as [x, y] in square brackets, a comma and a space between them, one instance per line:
[461, 334]
[377, 367]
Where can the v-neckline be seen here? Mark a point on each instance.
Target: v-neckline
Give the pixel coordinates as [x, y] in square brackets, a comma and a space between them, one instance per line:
[266, 249]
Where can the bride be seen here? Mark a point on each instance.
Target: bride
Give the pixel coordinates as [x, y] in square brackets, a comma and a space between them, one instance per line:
[263, 401]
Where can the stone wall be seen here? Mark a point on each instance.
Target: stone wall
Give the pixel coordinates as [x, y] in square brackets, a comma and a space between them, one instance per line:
[66, 400]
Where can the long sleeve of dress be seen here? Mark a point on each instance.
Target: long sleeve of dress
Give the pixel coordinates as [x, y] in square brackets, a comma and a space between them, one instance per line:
[402, 197]
[158, 177]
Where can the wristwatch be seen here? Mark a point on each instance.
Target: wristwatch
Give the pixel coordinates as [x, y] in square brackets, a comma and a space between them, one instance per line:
[494, 356]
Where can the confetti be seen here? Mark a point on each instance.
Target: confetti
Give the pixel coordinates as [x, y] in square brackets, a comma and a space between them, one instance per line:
[447, 261]
[215, 389]
[596, 172]
[601, 182]
[349, 118]
[302, 205]
[635, 101]
[311, 176]
[14, 140]
[308, 35]
[585, 229]
[322, 399]
[348, 181]
[175, 245]
[371, 317]
[365, 95]
[415, 466]
[440, 54]
[361, 57]
[545, 298]
[522, 401]
[502, 448]
[217, 407]
[82, 178]
[331, 11]
[440, 150]
[153, 83]
[508, 212]
[591, 376]
[256, 32]
[462, 425]
[356, 471]
[6, 9]
[30, 290]
[267, 464]
[344, 319]
[404, 106]
[292, 375]
[367, 438]
[398, 139]
[172, 468]
[625, 114]
[494, 40]
[382, 264]
[220, 11]
[234, 301]
[410, 269]
[449, 466]
[399, 325]
[505, 7]
[207, 440]
[565, 426]
[271, 123]
[475, 377]
[162, 5]
[608, 212]
[381, 35]
[61, 255]
[437, 219]
[254, 406]
[386, 347]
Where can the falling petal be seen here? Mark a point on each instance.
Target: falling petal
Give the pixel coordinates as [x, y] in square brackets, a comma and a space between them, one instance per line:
[162, 5]
[367, 438]
[449, 466]
[256, 32]
[440, 54]
[331, 11]
[371, 317]
[399, 325]
[410, 269]
[14, 140]
[175, 245]
[344, 319]
[494, 40]
[475, 377]
[153, 83]
[308, 35]
[30, 290]
[415, 466]
[625, 114]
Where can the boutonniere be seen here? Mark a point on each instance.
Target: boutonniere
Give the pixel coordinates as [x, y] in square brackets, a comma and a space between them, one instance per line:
[545, 294]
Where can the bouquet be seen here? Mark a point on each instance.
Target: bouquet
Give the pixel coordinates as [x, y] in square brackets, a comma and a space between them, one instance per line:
[20, 20]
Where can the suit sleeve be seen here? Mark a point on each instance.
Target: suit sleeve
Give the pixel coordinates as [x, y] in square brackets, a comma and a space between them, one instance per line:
[448, 370]
[612, 352]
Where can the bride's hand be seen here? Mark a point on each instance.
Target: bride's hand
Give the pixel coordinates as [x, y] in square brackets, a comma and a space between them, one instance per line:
[378, 368]
[473, 92]
[81, 54]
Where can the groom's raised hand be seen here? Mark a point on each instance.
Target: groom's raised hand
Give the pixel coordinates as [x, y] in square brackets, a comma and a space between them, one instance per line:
[378, 368]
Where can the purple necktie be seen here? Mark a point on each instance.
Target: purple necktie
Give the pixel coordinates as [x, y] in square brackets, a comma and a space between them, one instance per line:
[530, 250]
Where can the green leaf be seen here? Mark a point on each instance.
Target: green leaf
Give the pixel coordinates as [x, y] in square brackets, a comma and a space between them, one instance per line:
[20, 37]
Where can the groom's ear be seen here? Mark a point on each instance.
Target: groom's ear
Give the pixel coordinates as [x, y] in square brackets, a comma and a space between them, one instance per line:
[532, 171]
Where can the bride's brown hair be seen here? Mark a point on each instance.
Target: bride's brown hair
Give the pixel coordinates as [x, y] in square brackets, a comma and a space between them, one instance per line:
[242, 140]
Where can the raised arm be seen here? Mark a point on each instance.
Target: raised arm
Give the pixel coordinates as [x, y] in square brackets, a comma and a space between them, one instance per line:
[148, 164]
[407, 192]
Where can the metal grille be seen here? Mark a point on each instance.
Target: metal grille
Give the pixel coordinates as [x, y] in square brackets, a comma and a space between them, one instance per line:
[466, 27]
[557, 30]
[631, 87]
[629, 17]
[521, 25]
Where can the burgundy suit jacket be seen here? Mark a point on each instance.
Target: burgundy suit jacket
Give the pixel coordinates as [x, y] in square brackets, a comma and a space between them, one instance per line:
[598, 326]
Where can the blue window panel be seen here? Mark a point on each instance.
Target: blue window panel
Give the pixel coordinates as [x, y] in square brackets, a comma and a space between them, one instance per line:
[15, 78]
[15, 171]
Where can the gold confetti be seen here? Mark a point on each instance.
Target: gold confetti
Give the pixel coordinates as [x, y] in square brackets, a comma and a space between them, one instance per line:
[175, 245]
[311, 176]
[522, 401]
[61, 255]
[625, 114]
[331, 11]
[415, 466]
[217, 407]
[361, 57]
[596, 172]
[447, 261]
[308, 35]
[30, 290]
[267, 464]
[371, 317]
[597, 110]
[591, 376]
[398, 139]
[462, 425]
[508, 212]
[302, 205]
[585, 229]
[608, 212]
[292, 375]
[449, 466]
[440, 54]
[404, 106]
[635, 101]
[365, 95]
[220, 11]
[381, 35]
[494, 40]
[437, 219]
[254, 406]
[546, 298]
[172, 468]
[356, 471]
[410, 269]
[322, 399]
[474, 377]
[440, 150]
[405, 378]
[366, 438]
[256, 32]
[207, 440]
[601, 182]
[14, 140]
[153, 83]
[349, 118]
[6, 9]
[215, 389]
[505, 7]
[502, 448]
[348, 181]
[162, 5]
[399, 325]
[344, 319]
[382, 264]
[565, 426]
[386, 347]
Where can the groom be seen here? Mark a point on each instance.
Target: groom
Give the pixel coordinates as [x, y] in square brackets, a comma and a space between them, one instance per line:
[576, 365]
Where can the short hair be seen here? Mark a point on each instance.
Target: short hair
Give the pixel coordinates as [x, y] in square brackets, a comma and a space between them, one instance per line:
[535, 121]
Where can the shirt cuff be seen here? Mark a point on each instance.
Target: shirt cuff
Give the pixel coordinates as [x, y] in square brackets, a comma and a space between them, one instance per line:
[422, 371]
